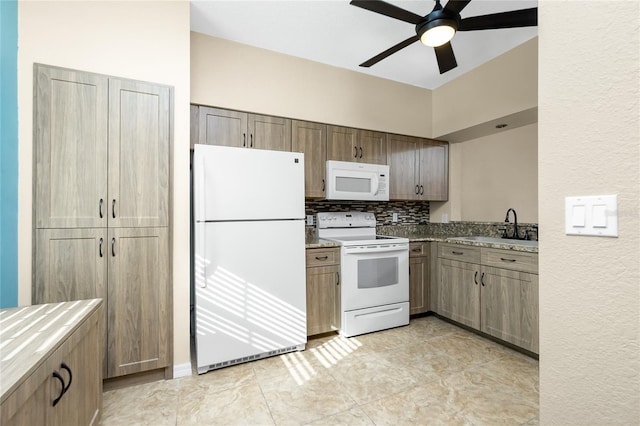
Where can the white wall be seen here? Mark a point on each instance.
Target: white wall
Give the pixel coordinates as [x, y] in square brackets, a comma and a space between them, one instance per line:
[236, 76]
[589, 144]
[139, 40]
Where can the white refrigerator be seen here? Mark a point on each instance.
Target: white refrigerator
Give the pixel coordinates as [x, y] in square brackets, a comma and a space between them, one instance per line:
[249, 257]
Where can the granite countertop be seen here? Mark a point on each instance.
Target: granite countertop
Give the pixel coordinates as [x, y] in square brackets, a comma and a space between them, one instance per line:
[504, 246]
[30, 334]
[312, 241]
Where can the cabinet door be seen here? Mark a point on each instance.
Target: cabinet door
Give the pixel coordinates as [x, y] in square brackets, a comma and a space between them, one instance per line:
[139, 120]
[510, 306]
[70, 148]
[372, 147]
[311, 138]
[222, 127]
[341, 143]
[323, 299]
[403, 162]
[267, 132]
[70, 264]
[139, 296]
[418, 285]
[434, 171]
[459, 292]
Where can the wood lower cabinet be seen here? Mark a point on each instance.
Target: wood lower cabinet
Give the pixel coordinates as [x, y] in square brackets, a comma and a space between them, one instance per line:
[311, 139]
[499, 301]
[223, 127]
[419, 277]
[323, 290]
[58, 378]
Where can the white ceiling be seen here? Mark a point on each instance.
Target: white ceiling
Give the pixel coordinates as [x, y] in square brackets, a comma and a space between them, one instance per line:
[334, 32]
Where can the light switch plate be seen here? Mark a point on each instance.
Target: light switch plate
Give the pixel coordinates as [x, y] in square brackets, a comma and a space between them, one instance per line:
[595, 215]
[394, 217]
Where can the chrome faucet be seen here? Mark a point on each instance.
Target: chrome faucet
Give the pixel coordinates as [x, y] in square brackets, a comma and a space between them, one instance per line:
[515, 223]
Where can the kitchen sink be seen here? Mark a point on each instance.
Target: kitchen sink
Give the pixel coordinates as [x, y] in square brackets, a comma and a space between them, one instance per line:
[494, 240]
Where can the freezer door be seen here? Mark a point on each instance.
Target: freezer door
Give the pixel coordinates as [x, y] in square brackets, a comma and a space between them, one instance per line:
[250, 290]
[247, 184]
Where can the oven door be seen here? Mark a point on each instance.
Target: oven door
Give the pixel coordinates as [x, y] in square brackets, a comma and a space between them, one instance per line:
[374, 275]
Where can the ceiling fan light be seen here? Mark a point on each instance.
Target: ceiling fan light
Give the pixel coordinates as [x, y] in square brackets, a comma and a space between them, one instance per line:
[437, 35]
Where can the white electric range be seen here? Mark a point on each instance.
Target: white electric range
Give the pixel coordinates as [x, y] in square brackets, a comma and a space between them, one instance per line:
[374, 269]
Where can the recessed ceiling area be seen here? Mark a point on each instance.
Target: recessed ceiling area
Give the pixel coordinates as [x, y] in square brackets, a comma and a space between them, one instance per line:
[339, 34]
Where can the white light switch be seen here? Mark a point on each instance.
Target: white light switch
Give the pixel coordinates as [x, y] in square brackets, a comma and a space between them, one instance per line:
[592, 215]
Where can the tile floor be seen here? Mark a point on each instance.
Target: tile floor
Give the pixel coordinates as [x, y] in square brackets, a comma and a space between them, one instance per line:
[428, 373]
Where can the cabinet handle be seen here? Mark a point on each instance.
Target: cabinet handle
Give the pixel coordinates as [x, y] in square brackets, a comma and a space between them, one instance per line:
[113, 247]
[57, 376]
[251, 140]
[360, 152]
[244, 139]
[475, 277]
[337, 278]
[100, 247]
[416, 250]
[507, 260]
[322, 257]
[323, 185]
[457, 253]
[100, 207]
[421, 190]
[66, 367]
[355, 152]
[113, 208]
[417, 189]
[482, 279]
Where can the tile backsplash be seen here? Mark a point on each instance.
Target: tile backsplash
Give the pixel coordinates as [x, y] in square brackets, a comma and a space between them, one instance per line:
[409, 212]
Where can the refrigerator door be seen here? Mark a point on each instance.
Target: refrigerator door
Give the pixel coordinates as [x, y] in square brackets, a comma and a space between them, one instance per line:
[247, 184]
[250, 290]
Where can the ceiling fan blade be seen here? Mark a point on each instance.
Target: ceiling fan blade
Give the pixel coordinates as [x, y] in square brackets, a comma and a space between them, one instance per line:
[456, 6]
[511, 19]
[446, 58]
[390, 51]
[384, 8]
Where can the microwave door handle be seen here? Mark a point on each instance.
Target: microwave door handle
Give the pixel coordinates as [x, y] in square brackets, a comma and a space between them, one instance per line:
[376, 185]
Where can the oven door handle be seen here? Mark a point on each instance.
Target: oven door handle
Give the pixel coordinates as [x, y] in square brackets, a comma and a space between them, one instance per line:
[377, 249]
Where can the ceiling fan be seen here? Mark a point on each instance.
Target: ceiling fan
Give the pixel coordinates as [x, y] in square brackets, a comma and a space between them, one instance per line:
[438, 27]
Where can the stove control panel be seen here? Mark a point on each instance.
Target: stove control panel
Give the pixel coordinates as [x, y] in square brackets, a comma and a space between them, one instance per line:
[346, 220]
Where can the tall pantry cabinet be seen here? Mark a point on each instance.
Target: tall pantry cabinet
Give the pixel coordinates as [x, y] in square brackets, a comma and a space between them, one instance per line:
[101, 207]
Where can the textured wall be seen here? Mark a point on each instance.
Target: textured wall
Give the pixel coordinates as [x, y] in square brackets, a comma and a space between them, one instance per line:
[140, 40]
[589, 139]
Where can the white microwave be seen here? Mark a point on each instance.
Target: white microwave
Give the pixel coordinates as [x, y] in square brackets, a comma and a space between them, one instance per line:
[357, 181]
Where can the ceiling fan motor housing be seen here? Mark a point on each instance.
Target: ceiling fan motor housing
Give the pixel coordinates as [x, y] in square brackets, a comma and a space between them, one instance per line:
[436, 19]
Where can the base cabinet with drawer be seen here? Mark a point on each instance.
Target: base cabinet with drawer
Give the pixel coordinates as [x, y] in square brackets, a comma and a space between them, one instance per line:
[323, 290]
[419, 277]
[491, 290]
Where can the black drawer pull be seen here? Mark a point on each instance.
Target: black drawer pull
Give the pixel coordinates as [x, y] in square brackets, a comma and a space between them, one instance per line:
[66, 367]
[507, 260]
[475, 277]
[113, 208]
[482, 279]
[322, 257]
[57, 376]
[100, 247]
[100, 207]
[113, 247]
[337, 278]
[457, 253]
[416, 250]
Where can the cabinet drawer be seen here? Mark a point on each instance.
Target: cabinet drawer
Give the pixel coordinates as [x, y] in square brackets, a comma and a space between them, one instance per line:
[507, 259]
[323, 257]
[459, 252]
[418, 249]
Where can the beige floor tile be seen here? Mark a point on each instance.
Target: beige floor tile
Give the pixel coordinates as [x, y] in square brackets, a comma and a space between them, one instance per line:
[148, 404]
[353, 417]
[515, 370]
[243, 405]
[425, 365]
[299, 365]
[292, 401]
[467, 348]
[216, 380]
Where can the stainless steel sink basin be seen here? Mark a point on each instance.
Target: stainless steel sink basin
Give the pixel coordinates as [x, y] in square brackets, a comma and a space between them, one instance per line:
[494, 240]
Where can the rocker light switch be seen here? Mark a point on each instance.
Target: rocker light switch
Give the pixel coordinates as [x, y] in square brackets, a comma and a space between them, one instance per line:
[595, 215]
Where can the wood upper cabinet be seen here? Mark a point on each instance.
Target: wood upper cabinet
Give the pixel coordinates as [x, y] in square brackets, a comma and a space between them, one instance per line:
[70, 148]
[70, 264]
[240, 129]
[138, 154]
[363, 146]
[323, 290]
[418, 168]
[138, 332]
[311, 139]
